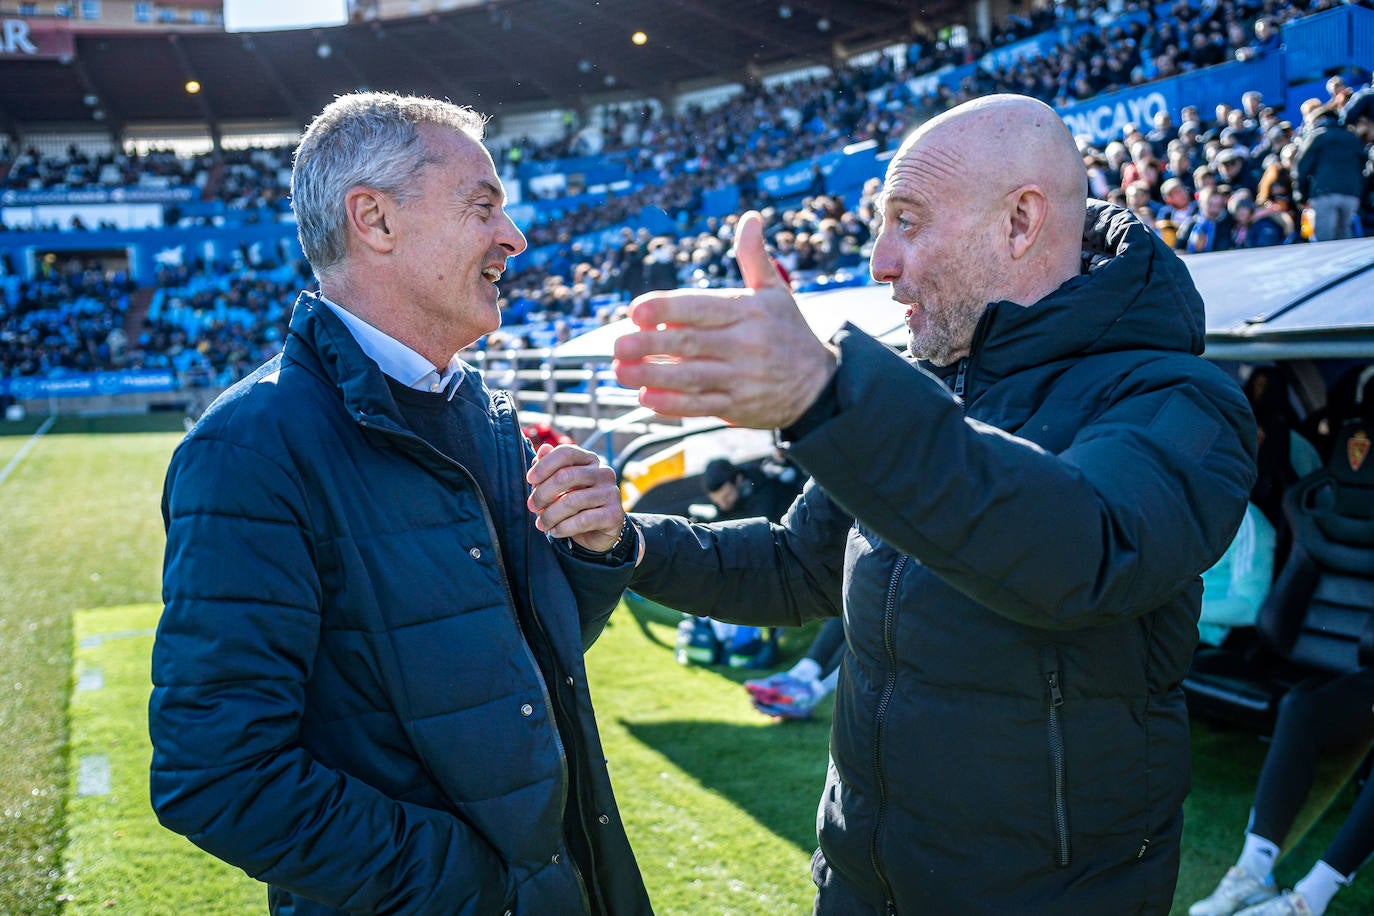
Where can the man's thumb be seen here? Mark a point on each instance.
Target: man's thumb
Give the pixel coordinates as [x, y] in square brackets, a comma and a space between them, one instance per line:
[756, 268]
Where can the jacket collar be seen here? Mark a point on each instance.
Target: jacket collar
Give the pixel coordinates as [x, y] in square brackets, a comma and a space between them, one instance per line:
[1133, 293]
[319, 341]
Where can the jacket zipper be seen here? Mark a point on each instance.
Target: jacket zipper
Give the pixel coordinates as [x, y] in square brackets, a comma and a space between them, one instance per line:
[510, 599]
[980, 330]
[1050, 669]
[889, 686]
[960, 376]
[552, 693]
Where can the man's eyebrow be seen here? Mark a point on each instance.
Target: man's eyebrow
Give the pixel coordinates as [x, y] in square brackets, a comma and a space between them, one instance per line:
[886, 199]
[492, 190]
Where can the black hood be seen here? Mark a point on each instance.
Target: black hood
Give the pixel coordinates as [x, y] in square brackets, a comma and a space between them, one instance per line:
[1134, 294]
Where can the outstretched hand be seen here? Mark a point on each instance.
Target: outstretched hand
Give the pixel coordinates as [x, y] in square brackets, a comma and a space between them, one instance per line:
[574, 495]
[746, 356]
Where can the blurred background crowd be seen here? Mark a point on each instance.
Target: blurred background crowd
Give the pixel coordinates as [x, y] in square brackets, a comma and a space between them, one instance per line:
[1244, 174]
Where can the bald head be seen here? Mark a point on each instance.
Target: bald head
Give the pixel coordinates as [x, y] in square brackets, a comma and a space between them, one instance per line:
[1001, 142]
[980, 154]
[981, 204]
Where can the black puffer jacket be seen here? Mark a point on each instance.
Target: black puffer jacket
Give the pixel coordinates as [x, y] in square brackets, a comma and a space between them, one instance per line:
[1020, 594]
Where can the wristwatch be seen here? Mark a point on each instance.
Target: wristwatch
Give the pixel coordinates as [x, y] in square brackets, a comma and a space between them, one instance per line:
[623, 550]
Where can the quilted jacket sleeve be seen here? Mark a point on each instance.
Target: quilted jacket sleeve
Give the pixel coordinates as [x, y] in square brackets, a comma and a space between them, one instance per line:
[233, 653]
[1145, 498]
[749, 571]
[597, 585]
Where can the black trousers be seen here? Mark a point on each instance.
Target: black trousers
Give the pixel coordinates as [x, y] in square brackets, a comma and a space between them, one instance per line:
[1318, 718]
[828, 646]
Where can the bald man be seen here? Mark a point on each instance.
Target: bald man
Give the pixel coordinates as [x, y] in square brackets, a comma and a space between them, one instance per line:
[1012, 525]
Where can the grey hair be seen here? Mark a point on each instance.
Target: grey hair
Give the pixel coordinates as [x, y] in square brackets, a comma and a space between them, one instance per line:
[364, 138]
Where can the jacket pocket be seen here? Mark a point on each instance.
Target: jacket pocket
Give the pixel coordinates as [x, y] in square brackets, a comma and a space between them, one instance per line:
[1054, 728]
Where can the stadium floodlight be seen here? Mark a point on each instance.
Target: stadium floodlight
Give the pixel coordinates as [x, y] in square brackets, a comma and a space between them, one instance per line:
[268, 15]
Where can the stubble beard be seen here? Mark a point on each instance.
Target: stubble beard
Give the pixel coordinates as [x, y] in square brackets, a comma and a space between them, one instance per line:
[951, 311]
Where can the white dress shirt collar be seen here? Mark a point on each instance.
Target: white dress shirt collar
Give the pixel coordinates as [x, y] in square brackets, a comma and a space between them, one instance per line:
[397, 360]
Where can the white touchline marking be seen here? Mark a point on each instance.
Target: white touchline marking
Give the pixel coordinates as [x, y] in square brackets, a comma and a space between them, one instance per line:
[96, 641]
[93, 775]
[19, 456]
[90, 679]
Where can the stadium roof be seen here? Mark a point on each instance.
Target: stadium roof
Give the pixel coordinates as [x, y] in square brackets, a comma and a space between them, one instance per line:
[506, 55]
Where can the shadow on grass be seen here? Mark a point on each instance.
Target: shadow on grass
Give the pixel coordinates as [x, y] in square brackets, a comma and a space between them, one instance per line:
[646, 612]
[773, 774]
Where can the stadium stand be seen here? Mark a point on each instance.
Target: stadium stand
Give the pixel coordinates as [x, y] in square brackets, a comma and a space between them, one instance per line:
[636, 195]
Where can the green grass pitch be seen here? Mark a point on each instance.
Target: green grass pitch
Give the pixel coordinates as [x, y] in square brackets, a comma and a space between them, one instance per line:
[720, 803]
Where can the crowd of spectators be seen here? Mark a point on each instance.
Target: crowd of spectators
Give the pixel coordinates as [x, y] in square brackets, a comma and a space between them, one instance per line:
[254, 180]
[210, 322]
[1233, 177]
[70, 317]
[78, 170]
[1245, 177]
[216, 326]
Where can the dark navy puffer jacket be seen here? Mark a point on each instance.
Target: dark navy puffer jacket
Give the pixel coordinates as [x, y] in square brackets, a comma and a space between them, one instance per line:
[347, 703]
[1020, 594]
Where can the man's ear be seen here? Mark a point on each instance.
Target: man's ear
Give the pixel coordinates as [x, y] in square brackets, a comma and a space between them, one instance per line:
[1028, 209]
[367, 212]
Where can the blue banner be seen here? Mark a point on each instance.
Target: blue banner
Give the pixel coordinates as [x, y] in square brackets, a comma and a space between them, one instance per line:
[148, 248]
[1361, 37]
[789, 180]
[89, 384]
[1104, 117]
[14, 198]
[1228, 82]
[720, 201]
[595, 169]
[1314, 44]
[1296, 95]
[850, 171]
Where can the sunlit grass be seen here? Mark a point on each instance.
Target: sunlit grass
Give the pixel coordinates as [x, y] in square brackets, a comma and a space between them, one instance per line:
[118, 857]
[719, 802]
[79, 527]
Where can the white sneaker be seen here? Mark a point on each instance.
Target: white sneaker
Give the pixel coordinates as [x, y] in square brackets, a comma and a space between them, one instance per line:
[1238, 890]
[1291, 903]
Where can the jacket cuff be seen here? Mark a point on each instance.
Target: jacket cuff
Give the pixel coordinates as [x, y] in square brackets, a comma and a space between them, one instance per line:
[621, 552]
[826, 406]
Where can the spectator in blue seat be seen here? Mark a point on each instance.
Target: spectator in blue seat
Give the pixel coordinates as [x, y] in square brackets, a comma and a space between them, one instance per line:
[1267, 40]
[1178, 203]
[1210, 228]
[1234, 168]
[1256, 228]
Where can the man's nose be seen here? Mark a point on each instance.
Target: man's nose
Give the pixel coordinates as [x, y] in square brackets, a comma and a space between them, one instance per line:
[511, 238]
[884, 265]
